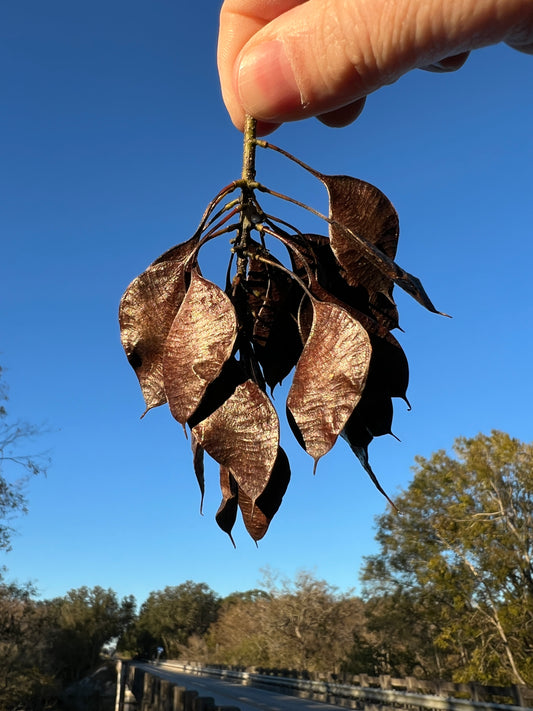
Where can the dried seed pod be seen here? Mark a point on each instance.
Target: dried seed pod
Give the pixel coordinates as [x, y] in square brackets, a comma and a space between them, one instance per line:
[212, 353]
[198, 465]
[243, 435]
[199, 342]
[362, 238]
[146, 312]
[227, 511]
[329, 377]
[367, 213]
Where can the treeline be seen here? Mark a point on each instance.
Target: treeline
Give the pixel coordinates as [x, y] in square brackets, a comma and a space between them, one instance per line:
[45, 645]
[303, 623]
[448, 595]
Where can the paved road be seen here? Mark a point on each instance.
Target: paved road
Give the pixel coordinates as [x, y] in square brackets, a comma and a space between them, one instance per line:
[246, 698]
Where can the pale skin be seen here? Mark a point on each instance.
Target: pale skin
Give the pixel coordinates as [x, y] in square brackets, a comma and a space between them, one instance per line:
[285, 60]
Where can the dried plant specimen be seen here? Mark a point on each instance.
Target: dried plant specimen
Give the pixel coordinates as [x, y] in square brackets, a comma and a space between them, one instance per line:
[329, 377]
[326, 315]
[199, 342]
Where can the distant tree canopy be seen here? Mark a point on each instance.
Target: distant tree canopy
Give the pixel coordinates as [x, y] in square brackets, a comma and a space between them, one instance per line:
[85, 619]
[301, 624]
[45, 645]
[27, 681]
[453, 580]
[448, 595]
[171, 616]
[16, 465]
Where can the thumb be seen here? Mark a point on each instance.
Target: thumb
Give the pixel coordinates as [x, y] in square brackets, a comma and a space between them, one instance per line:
[323, 55]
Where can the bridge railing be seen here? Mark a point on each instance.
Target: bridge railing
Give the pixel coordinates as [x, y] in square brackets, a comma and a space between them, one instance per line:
[141, 690]
[360, 697]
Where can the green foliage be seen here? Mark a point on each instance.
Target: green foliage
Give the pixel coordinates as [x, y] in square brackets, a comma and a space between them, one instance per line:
[85, 620]
[45, 645]
[458, 561]
[365, 658]
[27, 679]
[247, 596]
[449, 595]
[170, 616]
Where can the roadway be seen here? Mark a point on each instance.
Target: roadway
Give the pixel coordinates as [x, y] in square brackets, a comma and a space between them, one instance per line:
[246, 698]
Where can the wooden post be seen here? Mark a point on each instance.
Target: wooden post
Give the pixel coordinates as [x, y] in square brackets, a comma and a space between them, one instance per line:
[165, 698]
[157, 696]
[121, 683]
[148, 688]
[178, 698]
[188, 700]
[519, 695]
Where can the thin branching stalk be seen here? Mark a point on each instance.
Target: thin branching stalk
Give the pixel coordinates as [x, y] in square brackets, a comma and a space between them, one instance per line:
[272, 147]
[248, 154]
[248, 210]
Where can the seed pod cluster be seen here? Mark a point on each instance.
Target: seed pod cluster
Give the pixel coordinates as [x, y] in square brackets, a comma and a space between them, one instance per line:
[326, 315]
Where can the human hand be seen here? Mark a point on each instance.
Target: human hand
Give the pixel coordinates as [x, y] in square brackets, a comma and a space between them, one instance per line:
[283, 60]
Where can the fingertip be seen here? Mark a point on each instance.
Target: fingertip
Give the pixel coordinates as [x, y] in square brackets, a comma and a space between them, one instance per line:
[263, 128]
[265, 84]
[448, 64]
[525, 48]
[343, 116]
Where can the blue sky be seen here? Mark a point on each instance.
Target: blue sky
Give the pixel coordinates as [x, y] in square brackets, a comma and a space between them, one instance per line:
[113, 139]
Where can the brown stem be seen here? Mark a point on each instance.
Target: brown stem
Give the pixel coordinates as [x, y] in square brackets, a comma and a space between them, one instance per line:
[247, 199]
[272, 147]
[248, 154]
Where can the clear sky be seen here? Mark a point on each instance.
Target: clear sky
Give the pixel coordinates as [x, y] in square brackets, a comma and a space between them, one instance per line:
[113, 139]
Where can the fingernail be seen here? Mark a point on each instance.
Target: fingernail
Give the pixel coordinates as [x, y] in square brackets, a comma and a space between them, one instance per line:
[266, 83]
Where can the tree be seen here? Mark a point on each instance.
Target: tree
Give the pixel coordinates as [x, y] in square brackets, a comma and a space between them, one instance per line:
[170, 616]
[85, 619]
[13, 461]
[27, 679]
[310, 623]
[305, 624]
[459, 557]
[47, 644]
[247, 596]
[398, 638]
[239, 636]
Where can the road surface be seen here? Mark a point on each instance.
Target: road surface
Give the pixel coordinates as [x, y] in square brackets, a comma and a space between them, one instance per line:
[246, 698]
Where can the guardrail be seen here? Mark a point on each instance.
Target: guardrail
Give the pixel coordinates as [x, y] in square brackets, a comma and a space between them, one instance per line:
[140, 690]
[344, 695]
